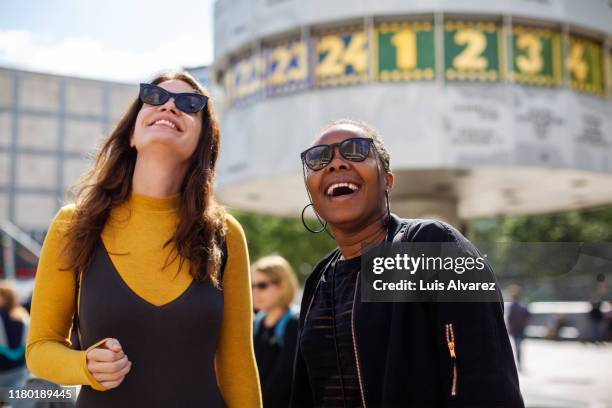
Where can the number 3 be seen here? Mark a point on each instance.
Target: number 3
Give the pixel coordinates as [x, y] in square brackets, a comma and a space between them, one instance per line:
[532, 63]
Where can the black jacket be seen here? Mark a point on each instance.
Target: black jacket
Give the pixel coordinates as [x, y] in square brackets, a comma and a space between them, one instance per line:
[402, 351]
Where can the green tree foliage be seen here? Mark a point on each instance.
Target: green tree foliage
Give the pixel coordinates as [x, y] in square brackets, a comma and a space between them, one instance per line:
[572, 273]
[572, 226]
[287, 237]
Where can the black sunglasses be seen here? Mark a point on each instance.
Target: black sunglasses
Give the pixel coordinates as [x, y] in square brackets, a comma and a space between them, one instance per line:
[355, 149]
[261, 285]
[187, 102]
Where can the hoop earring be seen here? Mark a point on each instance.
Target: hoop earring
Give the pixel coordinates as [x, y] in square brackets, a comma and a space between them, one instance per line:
[323, 226]
[388, 209]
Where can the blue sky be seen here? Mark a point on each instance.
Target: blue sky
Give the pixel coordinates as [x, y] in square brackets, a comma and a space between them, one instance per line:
[124, 40]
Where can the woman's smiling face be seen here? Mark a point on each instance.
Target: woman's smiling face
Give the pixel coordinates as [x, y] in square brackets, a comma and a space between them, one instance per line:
[166, 125]
[347, 193]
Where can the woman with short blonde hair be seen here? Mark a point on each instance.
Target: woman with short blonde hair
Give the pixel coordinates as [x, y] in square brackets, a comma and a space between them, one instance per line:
[279, 271]
[275, 327]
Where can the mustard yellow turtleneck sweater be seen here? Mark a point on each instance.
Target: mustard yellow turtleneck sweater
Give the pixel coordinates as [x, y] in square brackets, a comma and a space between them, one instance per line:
[134, 237]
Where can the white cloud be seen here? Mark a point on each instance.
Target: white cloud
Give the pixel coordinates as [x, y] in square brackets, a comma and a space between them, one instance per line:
[86, 57]
[11, 41]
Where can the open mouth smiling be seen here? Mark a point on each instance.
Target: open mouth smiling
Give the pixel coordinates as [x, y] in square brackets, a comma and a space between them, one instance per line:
[342, 189]
[164, 122]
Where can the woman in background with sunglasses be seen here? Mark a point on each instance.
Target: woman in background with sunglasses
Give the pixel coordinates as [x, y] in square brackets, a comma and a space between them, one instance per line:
[151, 273]
[386, 354]
[275, 327]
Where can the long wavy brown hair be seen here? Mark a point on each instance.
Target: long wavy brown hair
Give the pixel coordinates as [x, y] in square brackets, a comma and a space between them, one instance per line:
[108, 184]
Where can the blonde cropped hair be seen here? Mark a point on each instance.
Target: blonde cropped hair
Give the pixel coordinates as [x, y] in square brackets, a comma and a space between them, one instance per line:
[280, 272]
[10, 301]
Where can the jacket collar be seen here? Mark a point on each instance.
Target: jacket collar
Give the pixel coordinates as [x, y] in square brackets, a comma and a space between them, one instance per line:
[394, 227]
[395, 224]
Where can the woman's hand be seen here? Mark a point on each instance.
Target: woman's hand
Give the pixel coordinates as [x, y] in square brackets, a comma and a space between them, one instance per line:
[108, 364]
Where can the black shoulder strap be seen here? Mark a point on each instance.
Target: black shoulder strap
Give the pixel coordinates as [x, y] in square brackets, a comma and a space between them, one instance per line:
[75, 334]
[223, 262]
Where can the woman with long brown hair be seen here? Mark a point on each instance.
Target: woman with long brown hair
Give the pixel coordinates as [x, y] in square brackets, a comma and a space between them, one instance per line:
[148, 269]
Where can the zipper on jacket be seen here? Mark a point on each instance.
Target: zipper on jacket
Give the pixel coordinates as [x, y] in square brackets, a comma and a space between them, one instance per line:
[450, 341]
[363, 400]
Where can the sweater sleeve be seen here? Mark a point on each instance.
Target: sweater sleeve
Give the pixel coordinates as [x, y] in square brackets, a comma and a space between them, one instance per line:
[48, 352]
[235, 358]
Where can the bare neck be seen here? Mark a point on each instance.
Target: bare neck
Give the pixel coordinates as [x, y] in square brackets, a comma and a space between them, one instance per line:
[272, 315]
[157, 178]
[351, 242]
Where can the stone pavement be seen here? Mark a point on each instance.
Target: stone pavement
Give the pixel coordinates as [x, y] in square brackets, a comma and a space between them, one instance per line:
[566, 375]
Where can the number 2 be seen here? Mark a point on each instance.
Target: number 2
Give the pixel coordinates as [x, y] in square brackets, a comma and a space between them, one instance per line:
[470, 58]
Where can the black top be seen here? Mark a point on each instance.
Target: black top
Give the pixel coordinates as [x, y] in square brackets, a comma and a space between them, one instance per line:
[275, 363]
[12, 353]
[172, 347]
[327, 340]
[402, 348]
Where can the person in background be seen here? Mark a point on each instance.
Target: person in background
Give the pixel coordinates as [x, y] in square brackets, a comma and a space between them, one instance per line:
[275, 327]
[13, 334]
[518, 318]
[596, 317]
[608, 316]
